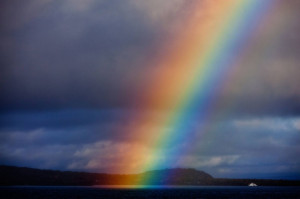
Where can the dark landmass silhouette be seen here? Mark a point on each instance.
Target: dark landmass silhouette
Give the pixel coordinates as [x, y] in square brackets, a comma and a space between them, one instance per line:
[11, 175]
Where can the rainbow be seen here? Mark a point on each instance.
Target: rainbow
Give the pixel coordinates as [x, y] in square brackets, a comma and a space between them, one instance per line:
[192, 70]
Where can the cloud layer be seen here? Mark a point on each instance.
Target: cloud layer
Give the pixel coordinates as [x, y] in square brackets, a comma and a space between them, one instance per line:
[100, 54]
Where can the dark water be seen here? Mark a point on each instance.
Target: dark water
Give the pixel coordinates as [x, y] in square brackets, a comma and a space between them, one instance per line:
[54, 192]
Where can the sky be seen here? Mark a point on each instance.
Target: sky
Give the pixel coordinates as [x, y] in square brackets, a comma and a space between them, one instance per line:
[73, 75]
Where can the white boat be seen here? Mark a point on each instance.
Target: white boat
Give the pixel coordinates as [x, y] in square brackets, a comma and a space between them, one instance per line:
[252, 184]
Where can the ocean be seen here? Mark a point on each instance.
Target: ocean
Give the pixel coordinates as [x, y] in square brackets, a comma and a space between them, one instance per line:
[182, 192]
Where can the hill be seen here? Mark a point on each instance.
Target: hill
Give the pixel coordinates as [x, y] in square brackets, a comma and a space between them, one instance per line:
[177, 176]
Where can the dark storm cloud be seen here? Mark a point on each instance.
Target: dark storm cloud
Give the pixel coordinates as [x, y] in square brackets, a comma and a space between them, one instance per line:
[99, 54]
[61, 57]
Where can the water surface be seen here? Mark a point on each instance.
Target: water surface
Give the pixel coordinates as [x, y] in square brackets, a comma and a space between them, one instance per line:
[91, 192]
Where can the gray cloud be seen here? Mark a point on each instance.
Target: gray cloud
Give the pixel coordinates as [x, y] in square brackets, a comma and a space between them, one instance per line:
[65, 58]
[100, 54]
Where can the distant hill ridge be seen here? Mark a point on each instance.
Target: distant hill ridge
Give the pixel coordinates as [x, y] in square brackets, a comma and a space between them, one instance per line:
[179, 176]
[11, 175]
[180, 171]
